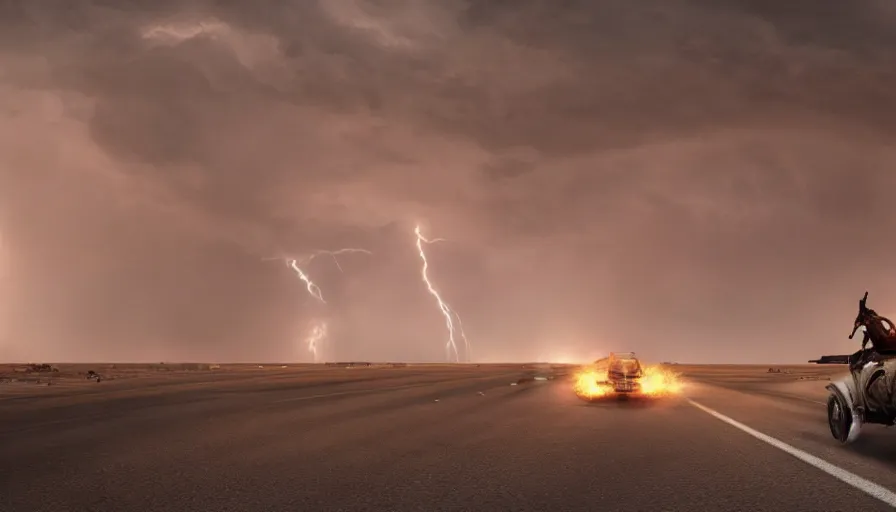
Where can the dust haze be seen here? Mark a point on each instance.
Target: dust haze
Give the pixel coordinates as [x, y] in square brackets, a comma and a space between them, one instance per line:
[703, 181]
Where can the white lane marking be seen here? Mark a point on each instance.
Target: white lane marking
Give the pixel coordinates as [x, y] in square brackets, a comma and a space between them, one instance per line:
[393, 388]
[868, 487]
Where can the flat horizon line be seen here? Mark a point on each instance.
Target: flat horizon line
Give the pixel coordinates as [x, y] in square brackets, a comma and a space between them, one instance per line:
[359, 362]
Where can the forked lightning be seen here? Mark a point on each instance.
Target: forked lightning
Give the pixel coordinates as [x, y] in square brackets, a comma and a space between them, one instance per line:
[318, 333]
[312, 288]
[447, 312]
[316, 338]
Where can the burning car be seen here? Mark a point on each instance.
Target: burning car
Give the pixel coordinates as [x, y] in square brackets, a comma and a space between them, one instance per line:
[623, 375]
[624, 372]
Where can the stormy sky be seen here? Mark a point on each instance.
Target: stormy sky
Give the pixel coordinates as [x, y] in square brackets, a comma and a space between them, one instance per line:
[700, 181]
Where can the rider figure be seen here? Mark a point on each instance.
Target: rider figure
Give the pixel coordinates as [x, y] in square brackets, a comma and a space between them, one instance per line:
[879, 330]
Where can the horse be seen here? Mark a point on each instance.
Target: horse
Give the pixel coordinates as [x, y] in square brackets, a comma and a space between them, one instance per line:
[879, 330]
[879, 383]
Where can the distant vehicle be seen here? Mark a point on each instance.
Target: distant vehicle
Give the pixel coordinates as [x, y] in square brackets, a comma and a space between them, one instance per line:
[624, 372]
[867, 394]
[622, 375]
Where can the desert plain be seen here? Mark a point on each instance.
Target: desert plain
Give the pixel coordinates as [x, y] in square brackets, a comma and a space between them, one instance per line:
[353, 436]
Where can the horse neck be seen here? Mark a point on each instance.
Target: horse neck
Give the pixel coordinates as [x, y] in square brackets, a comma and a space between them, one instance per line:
[875, 327]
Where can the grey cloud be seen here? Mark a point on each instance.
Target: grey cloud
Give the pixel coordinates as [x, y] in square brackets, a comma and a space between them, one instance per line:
[682, 177]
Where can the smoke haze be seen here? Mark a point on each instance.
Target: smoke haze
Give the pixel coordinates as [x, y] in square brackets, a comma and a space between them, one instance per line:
[700, 181]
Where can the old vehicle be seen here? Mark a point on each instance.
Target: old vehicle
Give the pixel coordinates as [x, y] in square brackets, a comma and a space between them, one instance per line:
[868, 393]
[622, 375]
[619, 375]
[624, 372]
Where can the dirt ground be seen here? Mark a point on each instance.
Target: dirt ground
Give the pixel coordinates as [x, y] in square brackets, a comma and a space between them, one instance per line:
[19, 379]
[80, 378]
[805, 380]
[22, 378]
[763, 374]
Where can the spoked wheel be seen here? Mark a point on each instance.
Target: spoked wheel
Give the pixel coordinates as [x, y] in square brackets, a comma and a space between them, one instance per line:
[839, 418]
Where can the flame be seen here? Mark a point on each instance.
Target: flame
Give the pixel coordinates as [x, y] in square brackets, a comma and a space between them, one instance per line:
[659, 381]
[591, 383]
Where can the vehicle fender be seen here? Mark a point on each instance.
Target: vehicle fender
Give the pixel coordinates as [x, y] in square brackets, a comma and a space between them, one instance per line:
[846, 390]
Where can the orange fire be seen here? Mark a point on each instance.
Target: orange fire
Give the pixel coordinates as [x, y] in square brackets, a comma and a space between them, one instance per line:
[659, 381]
[591, 383]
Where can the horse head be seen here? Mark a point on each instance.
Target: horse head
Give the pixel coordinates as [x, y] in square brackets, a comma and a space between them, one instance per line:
[865, 316]
[876, 326]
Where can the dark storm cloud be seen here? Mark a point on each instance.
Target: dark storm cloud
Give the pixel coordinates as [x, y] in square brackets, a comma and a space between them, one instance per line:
[686, 178]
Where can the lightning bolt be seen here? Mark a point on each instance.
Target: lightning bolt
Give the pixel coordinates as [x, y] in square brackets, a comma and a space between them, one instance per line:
[467, 352]
[320, 330]
[315, 339]
[333, 254]
[312, 288]
[451, 345]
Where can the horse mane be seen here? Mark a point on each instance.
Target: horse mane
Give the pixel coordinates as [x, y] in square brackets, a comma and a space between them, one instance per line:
[876, 328]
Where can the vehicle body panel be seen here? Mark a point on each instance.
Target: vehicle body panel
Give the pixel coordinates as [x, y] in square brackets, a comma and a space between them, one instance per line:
[624, 372]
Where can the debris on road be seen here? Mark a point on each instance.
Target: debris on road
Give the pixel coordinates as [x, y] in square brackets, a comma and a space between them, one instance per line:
[92, 375]
[40, 368]
[174, 367]
[357, 364]
[481, 393]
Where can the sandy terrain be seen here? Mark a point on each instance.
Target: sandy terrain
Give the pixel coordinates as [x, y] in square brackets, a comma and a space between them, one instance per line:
[16, 379]
[68, 382]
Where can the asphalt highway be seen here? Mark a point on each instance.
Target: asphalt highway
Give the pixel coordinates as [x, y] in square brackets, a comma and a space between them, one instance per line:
[410, 439]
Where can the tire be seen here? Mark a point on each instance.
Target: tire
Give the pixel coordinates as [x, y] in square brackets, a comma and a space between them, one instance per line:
[839, 418]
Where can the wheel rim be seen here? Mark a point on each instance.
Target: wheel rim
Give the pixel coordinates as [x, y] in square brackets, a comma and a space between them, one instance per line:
[837, 419]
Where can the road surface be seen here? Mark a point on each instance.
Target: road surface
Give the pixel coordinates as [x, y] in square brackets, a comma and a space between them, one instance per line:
[409, 439]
